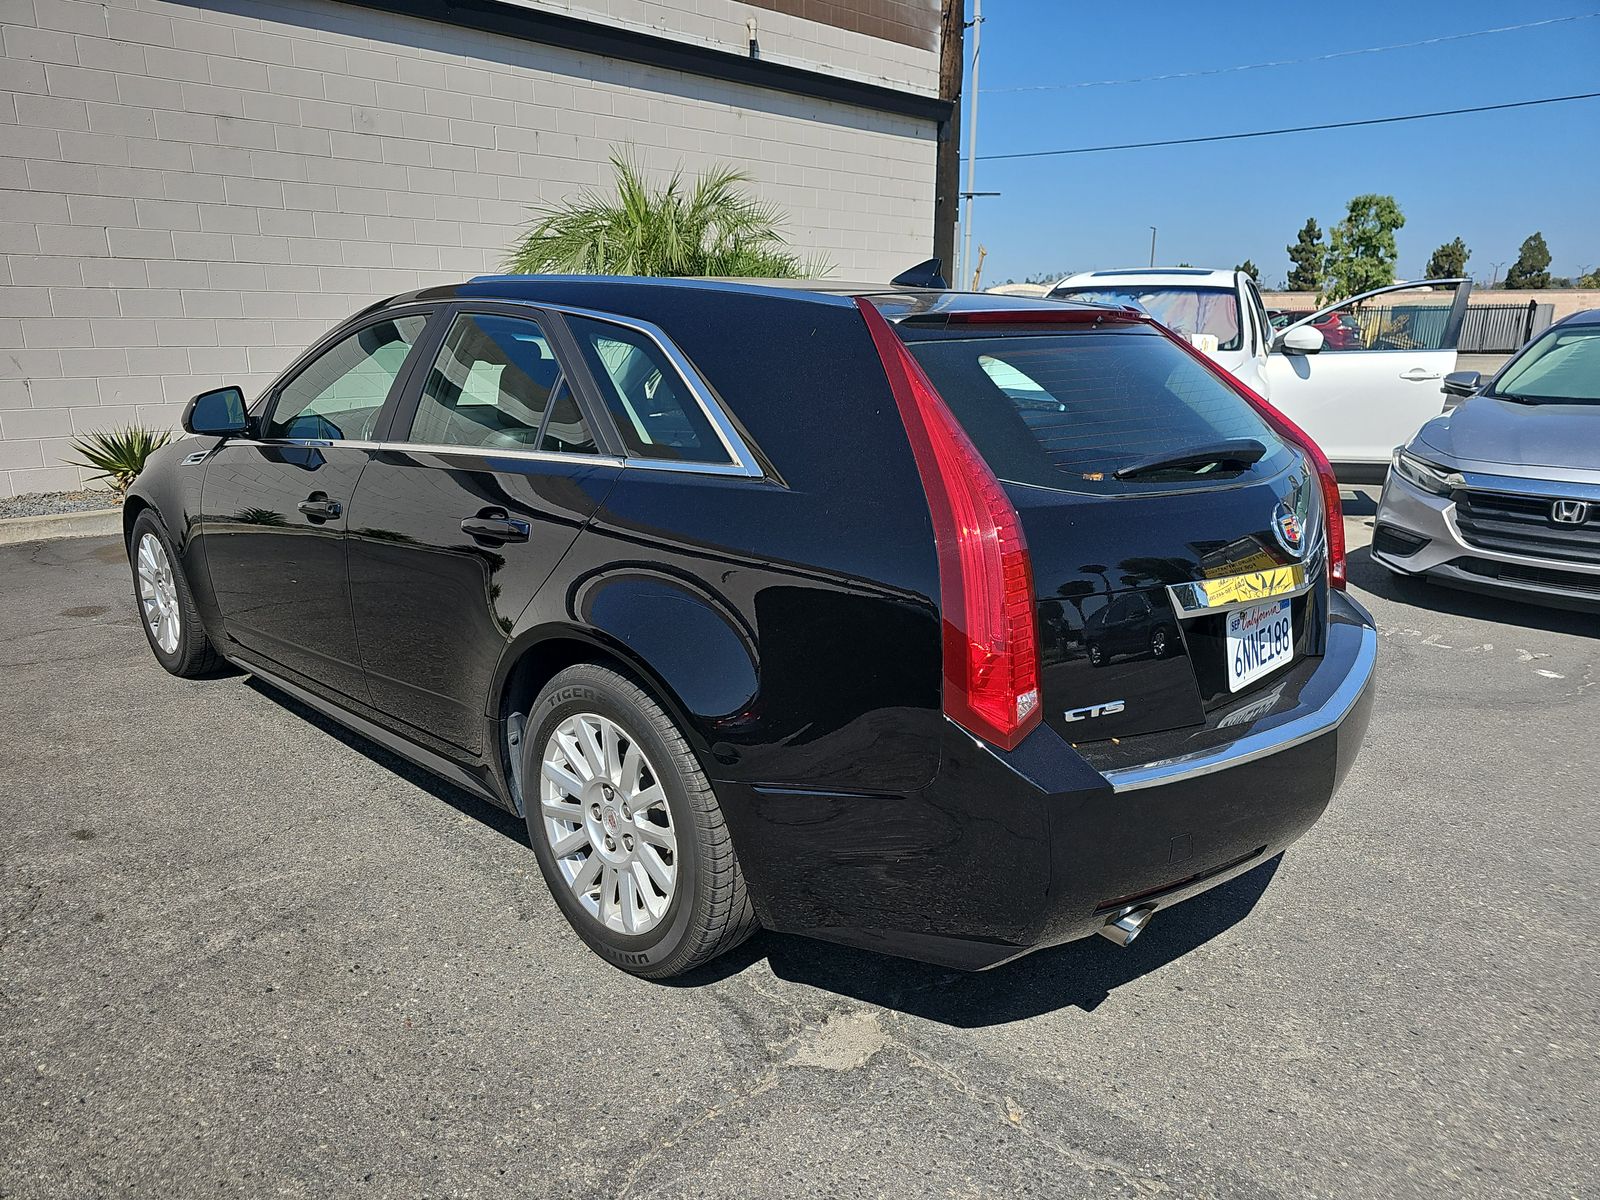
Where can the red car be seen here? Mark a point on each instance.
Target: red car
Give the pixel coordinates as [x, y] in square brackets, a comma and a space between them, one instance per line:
[1339, 332]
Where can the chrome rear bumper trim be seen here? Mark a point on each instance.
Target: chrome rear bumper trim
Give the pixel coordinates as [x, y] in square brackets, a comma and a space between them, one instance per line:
[1293, 731]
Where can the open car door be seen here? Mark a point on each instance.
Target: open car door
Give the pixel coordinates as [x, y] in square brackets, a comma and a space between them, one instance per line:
[1378, 376]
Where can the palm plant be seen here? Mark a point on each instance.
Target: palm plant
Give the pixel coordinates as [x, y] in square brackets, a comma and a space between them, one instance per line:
[710, 227]
[119, 454]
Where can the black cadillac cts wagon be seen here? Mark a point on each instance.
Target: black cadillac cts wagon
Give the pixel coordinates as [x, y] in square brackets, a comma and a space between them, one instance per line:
[945, 625]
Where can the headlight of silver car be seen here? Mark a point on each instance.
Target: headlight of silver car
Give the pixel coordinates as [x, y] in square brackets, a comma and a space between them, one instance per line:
[1426, 475]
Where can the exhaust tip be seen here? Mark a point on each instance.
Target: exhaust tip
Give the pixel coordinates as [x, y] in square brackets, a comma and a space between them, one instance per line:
[1128, 924]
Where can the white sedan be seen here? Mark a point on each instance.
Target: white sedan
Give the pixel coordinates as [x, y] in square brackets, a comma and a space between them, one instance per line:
[1361, 376]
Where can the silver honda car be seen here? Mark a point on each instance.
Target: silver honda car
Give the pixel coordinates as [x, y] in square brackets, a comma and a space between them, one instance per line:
[1502, 492]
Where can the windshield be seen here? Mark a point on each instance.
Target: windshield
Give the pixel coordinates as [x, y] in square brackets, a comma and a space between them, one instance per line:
[1563, 367]
[1209, 312]
[1068, 411]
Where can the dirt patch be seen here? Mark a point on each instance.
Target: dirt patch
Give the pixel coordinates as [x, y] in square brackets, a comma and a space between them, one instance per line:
[86, 610]
[844, 1043]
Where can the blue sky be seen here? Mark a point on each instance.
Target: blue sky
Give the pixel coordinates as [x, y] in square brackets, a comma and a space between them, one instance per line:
[1489, 178]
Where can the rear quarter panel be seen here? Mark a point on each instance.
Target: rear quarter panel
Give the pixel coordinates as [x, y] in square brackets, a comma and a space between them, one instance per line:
[791, 619]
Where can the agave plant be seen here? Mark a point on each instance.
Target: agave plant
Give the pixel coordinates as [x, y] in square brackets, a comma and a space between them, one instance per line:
[712, 226]
[119, 454]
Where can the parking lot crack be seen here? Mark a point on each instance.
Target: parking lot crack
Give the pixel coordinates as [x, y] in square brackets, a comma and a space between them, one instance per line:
[762, 1084]
[1009, 1111]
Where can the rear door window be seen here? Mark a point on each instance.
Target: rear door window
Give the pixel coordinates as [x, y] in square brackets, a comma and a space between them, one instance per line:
[496, 384]
[1067, 411]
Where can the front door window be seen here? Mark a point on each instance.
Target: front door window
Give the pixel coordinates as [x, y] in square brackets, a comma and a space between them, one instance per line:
[339, 394]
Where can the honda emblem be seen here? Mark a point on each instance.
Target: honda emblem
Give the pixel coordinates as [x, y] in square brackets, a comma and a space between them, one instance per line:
[1569, 512]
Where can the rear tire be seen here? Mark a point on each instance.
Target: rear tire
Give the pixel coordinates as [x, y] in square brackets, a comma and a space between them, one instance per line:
[167, 611]
[627, 831]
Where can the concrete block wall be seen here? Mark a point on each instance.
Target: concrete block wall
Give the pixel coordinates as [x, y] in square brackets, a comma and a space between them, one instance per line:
[190, 195]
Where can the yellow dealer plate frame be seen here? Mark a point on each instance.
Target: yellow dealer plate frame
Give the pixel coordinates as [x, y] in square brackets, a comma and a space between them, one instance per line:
[1238, 591]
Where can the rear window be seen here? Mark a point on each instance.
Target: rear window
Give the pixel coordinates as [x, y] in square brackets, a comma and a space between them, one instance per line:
[1066, 411]
[1208, 317]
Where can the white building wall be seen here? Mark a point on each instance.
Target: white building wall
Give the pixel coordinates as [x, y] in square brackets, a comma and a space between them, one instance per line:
[189, 196]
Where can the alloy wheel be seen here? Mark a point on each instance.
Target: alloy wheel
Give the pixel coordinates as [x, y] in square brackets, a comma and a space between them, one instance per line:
[158, 593]
[605, 814]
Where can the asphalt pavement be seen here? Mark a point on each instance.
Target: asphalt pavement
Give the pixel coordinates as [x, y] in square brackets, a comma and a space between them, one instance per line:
[244, 953]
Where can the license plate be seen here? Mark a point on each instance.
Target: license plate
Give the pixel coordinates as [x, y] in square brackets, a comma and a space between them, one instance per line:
[1260, 639]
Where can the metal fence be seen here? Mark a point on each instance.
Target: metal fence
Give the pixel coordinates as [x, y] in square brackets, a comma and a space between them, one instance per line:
[1485, 328]
[1503, 328]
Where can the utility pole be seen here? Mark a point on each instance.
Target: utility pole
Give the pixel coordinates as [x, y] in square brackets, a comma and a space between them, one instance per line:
[1495, 278]
[947, 168]
[1152, 245]
[972, 141]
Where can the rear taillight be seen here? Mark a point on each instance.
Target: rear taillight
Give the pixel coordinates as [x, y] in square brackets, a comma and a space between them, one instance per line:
[1332, 510]
[991, 638]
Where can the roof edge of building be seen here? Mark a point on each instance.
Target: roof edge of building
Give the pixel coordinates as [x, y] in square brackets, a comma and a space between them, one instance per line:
[632, 45]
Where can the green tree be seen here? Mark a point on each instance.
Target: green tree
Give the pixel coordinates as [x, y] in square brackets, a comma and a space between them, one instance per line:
[1532, 268]
[712, 226]
[1590, 279]
[1449, 261]
[1308, 255]
[1250, 269]
[1361, 248]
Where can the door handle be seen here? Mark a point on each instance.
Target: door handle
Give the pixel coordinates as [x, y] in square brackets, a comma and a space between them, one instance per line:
[318, 507]
[1418, 374]
[487, 527]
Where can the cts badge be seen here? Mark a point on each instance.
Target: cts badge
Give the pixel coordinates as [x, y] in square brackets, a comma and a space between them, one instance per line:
[1095, 710]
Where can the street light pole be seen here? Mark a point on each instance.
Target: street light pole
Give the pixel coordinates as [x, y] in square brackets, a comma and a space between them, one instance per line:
[1152, 245]
[972, 143]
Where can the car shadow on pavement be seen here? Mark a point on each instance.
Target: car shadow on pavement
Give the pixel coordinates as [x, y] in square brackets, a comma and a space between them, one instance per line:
[1080, 974]
[1368, 575]
[464, 802]
[1361, 501]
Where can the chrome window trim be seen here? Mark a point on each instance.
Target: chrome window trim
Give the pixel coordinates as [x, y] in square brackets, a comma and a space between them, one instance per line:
[607, 460]
[726, 470]
[741, 461]
[1295, 731]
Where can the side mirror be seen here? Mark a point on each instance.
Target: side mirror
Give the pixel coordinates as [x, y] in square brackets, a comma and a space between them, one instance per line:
[1302, 339]
[1462, 383]
[220, 413]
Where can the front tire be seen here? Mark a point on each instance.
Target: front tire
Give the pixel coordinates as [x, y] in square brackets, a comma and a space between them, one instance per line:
[167, 610]
[628, 834]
